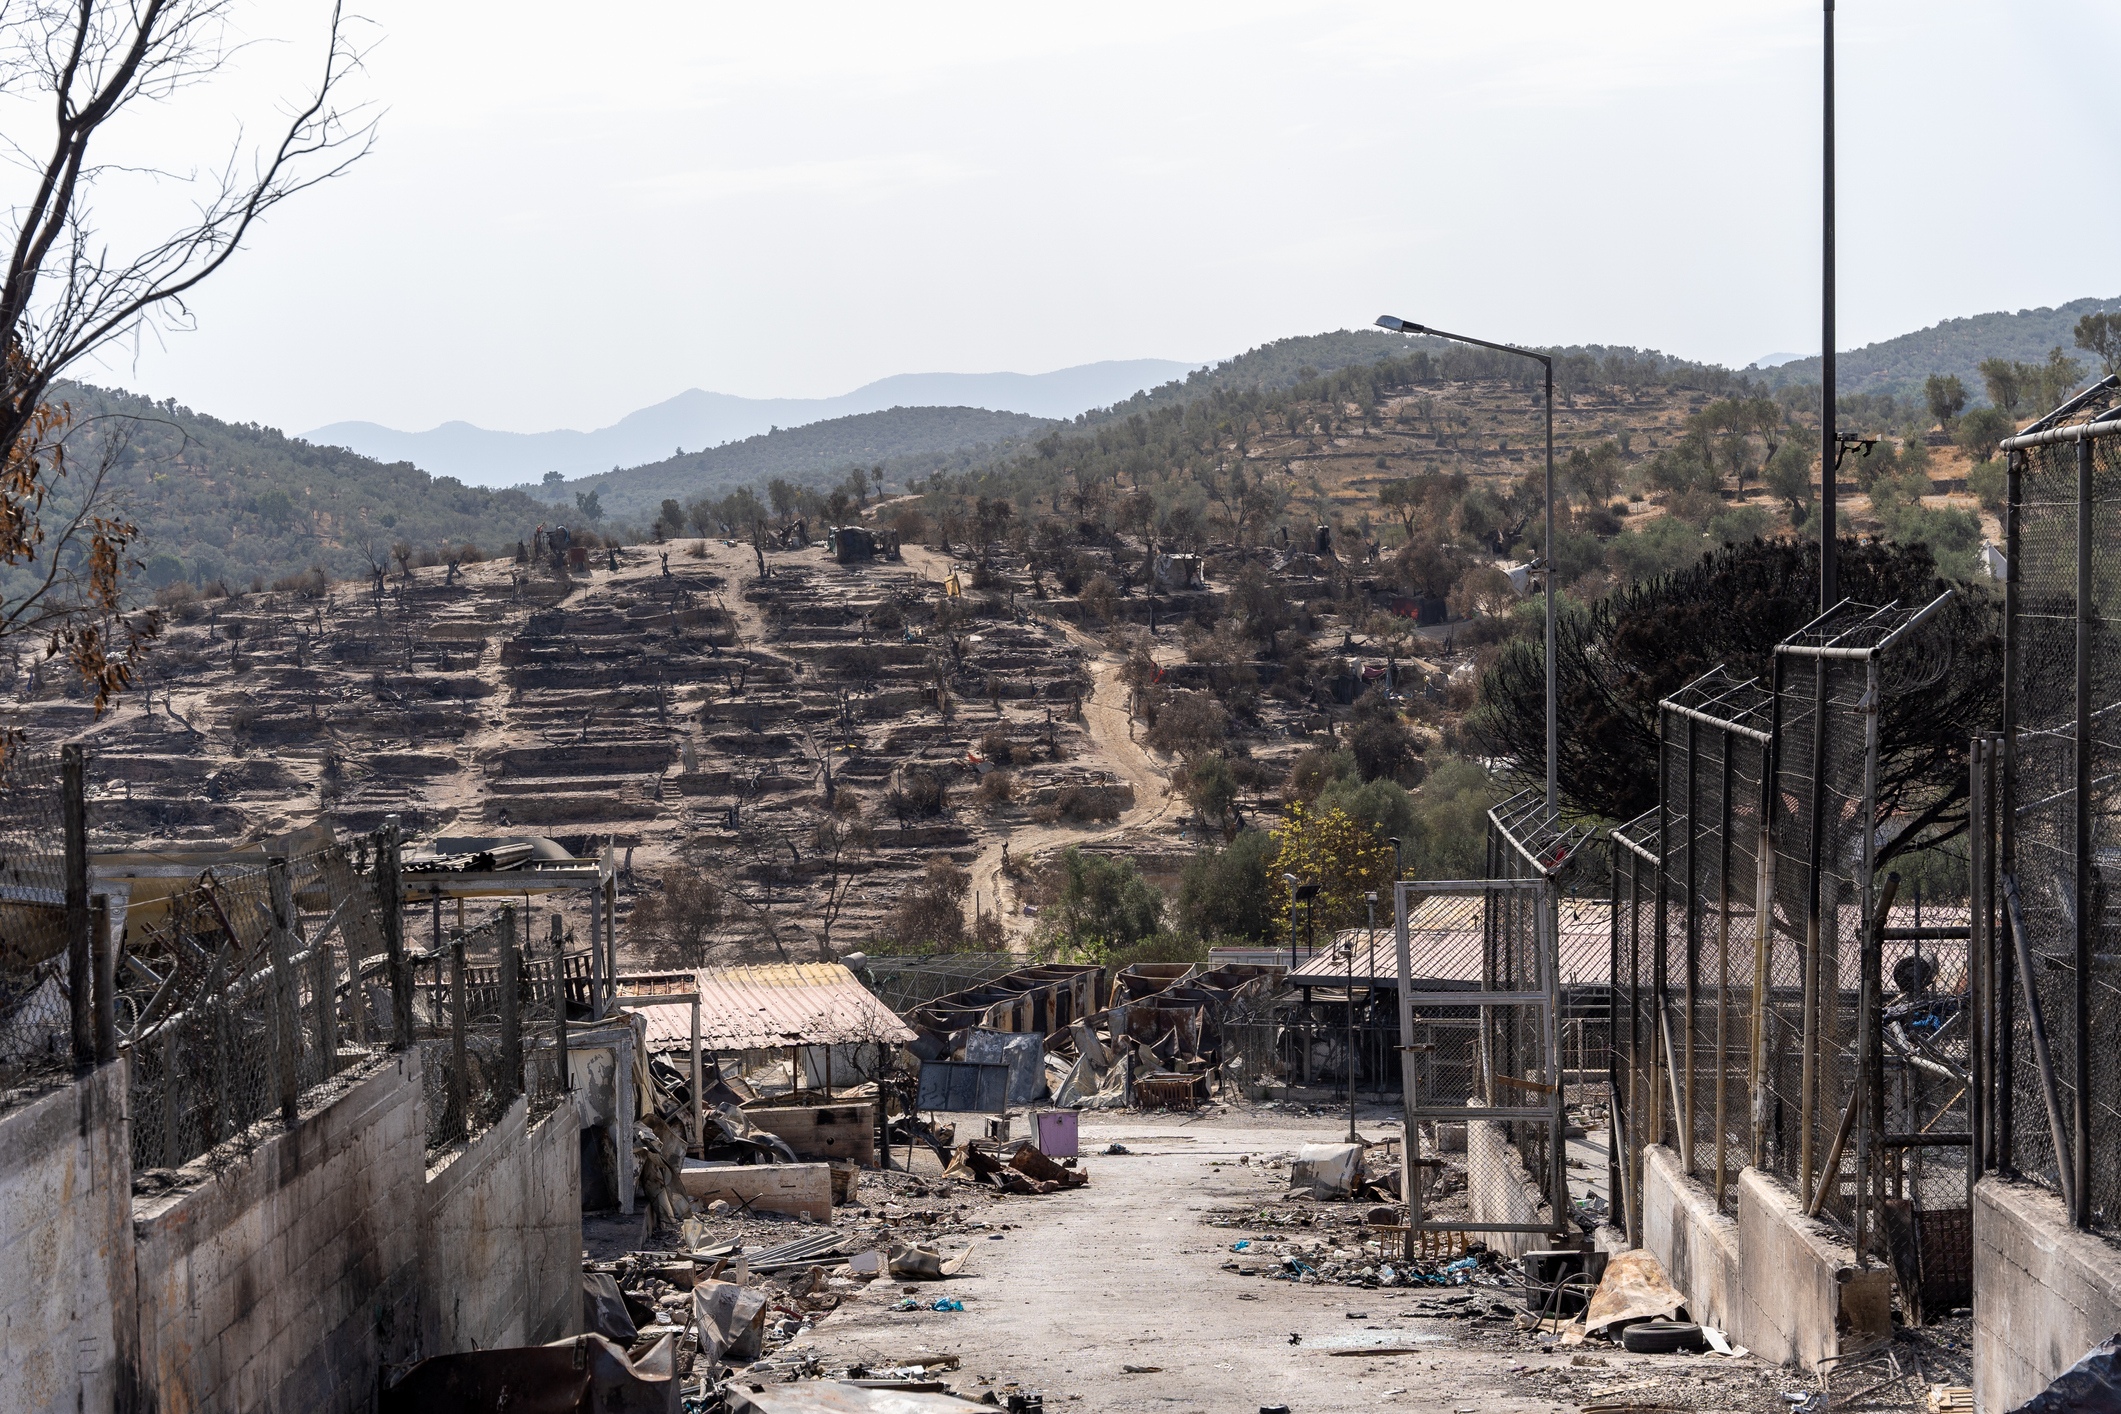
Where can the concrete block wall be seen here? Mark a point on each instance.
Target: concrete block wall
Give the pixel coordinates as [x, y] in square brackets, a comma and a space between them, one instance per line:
[1801, 1295]
[66, 1275]
[1500, 1190]
[1781, 1284]
[288, 1278]
[2045, 1292]
[1697, 1244]
[501, 1241]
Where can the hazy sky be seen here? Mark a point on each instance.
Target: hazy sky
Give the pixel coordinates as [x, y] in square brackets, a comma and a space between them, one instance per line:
[566, 217]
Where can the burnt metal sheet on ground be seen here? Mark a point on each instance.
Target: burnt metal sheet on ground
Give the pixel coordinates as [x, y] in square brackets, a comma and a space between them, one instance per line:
[1022, 1051]
[962, 1085]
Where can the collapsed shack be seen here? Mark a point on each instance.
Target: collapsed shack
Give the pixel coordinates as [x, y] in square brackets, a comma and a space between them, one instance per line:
[842, 1046]
[849, 543]
[1181, 572]
[1153, 1039]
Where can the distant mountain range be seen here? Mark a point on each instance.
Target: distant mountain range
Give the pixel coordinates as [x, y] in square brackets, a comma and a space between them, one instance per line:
[696, 420]
[1953, 346]
[904, 441]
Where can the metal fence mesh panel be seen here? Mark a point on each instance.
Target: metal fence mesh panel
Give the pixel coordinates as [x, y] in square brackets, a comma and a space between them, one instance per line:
[1822, 778]
[254, 1021]
[1521, 1068]
[1714, 761]
[1636, 1093]
[1482, 1019]
[36, 1026]
[2067, 681]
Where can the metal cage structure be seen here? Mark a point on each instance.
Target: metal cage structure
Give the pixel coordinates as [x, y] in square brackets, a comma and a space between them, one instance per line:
[2047, 847]
[1480, 1010]
[1765, 1013]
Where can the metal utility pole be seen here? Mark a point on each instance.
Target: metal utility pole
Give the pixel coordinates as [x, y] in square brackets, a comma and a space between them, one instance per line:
[1829, 579]
[1546, 559]
[1371, 900]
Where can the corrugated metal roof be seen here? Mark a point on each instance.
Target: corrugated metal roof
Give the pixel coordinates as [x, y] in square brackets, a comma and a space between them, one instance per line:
[1445, 932]
[780, 1004]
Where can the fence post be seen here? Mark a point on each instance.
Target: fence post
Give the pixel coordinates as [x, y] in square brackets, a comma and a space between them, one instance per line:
[280, 991]
[1981, 1036]
[390, 905]
[106, 960]
[80, 966]
[563, 1079]
[1723, 969]
[1660, 1029]
[511, 1014]
[2088, 903]
[1764, 865]
[1814, 989]
[1998, 1109]
[322, 997]
[596, 956]
[459, 1069]
[2007, 817]
[1689, 1122]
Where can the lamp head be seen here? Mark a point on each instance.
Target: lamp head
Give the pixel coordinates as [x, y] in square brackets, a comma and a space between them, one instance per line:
[1398, 325]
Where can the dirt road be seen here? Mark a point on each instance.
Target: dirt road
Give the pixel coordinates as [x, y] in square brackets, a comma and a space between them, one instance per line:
[1124, 1272]
[1106, 720]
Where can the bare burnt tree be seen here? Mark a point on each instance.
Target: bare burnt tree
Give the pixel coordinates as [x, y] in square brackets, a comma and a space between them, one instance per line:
[68, 292]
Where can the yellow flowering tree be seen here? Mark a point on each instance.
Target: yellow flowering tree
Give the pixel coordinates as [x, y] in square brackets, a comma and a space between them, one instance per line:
[1343, 856]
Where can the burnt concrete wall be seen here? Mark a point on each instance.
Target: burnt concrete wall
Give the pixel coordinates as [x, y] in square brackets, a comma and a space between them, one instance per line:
[1802, 1298]
[1696, 1244]
[286, 1279]
[2045, 1292]
[66, 1278]
[501, 1245]
[296, 1276]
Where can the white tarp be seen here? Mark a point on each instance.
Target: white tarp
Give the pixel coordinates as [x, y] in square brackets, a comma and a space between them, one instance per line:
[1326, 1170]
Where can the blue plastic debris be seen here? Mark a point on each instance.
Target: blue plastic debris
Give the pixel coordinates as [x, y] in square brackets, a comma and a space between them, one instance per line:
[947, 1304]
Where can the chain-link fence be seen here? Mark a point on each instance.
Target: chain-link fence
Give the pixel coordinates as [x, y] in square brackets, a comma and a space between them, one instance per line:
[243, 1015]
[2054, 1092]
[1774, 1008]
[1482, 1012]
[488, 1019]
[253, 984]
[1636, 1077]
[1714, 737]
[38, 1039]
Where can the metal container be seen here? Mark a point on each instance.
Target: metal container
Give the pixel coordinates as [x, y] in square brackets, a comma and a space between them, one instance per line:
[1056, 1133]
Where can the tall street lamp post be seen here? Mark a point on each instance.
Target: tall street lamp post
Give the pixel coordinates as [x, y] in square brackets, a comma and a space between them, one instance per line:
[1545, 563]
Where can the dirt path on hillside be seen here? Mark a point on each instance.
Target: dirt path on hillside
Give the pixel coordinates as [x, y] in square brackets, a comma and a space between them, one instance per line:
[1111, 732]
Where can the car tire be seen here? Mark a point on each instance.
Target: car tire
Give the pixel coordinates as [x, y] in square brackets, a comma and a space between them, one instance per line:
[1662, 1337]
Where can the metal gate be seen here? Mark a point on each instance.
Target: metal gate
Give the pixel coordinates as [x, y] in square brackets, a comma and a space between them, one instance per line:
[1479, 1014]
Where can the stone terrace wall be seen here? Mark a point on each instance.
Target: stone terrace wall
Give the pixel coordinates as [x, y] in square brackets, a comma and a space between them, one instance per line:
[501, 1253]
[287, 1280]
[66, 1279]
